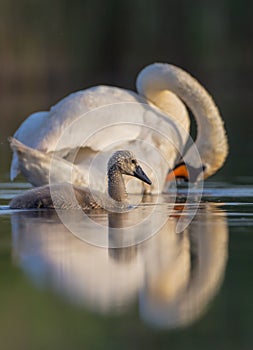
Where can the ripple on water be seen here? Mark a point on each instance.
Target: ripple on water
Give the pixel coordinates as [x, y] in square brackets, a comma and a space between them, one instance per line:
[235, 199]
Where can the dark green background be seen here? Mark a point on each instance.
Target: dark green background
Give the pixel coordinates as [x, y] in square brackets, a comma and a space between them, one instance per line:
[50, 48]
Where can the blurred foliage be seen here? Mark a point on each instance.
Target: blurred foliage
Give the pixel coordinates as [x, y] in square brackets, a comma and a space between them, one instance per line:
[51, 48]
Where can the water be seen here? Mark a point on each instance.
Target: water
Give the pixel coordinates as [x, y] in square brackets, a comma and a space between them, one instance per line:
[185, 290]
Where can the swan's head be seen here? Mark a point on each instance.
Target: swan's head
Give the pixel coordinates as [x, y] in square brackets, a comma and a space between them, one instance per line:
[186, 172]
[200, 163]
[126, 162]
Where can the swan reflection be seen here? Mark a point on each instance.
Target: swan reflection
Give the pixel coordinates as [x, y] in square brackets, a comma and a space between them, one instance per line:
[174, 275]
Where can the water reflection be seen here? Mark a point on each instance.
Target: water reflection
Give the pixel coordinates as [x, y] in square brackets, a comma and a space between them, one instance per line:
[178, 291]
[175, 275]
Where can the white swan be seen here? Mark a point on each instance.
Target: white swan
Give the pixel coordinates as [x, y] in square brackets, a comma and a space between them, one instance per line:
[154, 124]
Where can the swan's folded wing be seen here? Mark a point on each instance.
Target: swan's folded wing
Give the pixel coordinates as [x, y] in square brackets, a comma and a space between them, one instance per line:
[27, 133]
[40, 168]
[86, 117]
[80, 117]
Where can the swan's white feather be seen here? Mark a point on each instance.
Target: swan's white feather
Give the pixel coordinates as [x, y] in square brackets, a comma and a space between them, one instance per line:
[87, 126]
[98, 119]
[75, 108]
[42, 130]
[26, 134]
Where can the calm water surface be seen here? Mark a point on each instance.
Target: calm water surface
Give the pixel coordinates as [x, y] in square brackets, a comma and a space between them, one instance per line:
[183, 290]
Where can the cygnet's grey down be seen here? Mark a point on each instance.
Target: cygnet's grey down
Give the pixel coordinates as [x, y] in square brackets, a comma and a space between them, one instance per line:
[68, 196]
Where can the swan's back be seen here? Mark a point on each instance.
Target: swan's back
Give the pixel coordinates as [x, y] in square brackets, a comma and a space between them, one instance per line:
[57, 196]
[68, 110]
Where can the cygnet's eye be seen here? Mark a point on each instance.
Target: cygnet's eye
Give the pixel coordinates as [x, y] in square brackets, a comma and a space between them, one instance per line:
[133, 161]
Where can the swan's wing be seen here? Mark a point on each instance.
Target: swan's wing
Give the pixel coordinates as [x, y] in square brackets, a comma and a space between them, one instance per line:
[26, 134]
[39, 170]
[100, 119]
[30, 126]
[79, 119]
[95, 117]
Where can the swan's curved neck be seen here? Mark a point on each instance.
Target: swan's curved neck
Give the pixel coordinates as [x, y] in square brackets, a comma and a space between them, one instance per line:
[116, 185]
[211, 138]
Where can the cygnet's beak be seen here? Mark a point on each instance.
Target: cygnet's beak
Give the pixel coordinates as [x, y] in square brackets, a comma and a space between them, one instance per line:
[139, 173]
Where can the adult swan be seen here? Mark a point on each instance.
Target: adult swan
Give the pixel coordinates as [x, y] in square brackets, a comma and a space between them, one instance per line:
[73, 140]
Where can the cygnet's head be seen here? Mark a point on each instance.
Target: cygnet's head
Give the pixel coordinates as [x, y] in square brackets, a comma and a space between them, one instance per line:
[126, 162]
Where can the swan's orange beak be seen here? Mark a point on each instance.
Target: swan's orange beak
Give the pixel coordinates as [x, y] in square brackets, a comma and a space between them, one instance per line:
[179, 172]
